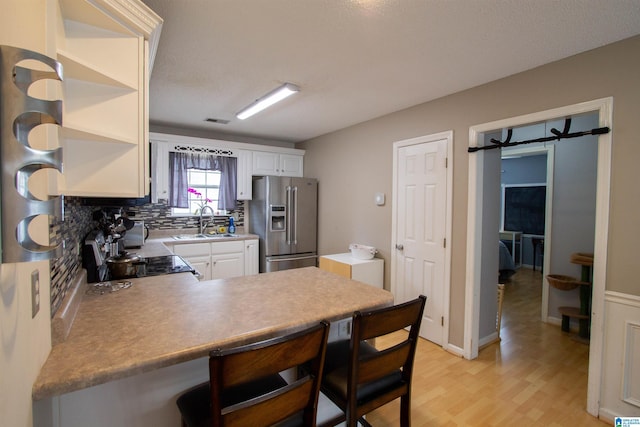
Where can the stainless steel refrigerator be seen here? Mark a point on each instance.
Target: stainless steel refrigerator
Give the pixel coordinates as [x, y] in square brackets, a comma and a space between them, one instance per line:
[284, 213]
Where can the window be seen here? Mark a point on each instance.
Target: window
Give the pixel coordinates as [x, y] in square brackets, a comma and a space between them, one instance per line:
[204, 185]
[214, 176]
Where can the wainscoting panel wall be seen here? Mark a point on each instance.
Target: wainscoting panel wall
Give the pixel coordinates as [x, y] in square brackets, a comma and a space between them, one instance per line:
[620, 394]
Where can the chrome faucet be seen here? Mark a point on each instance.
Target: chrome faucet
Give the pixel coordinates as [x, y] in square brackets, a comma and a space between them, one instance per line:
[203, 227]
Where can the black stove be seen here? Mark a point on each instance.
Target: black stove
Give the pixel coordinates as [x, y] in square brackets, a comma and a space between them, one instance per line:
[96, 252]
[165, 264]
[155, 266]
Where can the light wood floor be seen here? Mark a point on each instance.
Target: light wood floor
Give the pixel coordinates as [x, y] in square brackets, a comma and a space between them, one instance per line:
[535, 376]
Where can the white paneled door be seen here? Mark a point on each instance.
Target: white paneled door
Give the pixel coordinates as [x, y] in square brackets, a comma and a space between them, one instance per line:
[420, 253]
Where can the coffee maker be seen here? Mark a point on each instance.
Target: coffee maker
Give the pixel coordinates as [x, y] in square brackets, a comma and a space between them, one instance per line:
[104, 242]
[95, 252]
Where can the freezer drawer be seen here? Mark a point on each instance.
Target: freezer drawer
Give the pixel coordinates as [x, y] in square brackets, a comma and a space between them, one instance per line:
[287, 262]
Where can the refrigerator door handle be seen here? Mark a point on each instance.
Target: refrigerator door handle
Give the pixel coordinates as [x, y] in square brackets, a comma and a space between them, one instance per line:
[289, 214]
[294, 220]
[276, 259]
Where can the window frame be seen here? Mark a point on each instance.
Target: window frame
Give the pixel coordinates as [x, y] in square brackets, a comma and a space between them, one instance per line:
[193, 210]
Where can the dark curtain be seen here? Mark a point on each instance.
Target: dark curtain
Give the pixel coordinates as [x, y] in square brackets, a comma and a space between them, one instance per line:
[180, 162]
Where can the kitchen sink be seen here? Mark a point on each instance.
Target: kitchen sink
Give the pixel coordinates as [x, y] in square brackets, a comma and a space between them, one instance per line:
[202, 236]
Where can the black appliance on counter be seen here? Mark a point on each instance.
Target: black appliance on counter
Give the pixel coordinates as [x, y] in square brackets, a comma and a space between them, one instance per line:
[98, 251]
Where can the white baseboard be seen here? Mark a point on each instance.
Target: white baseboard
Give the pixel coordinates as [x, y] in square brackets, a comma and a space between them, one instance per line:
[453, 349]
[489, 339]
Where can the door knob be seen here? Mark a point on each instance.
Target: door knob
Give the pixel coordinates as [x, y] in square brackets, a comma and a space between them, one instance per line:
[399, 247]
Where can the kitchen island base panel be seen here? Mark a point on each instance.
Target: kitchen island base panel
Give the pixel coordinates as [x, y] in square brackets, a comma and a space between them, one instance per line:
[147, 399]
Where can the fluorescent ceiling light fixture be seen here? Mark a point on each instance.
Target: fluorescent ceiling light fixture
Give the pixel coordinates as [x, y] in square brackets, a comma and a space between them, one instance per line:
[268, 100]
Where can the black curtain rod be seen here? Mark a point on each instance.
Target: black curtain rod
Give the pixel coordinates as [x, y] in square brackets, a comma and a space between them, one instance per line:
[557, 136]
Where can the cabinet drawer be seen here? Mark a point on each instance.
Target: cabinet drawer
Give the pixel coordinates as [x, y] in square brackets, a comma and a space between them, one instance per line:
[192, 249]
[227, 247]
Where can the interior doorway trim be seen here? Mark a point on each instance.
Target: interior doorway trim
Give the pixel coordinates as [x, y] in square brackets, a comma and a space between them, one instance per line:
[604, 108]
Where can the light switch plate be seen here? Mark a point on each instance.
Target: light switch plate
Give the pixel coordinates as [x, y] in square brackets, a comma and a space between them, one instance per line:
[35, 293]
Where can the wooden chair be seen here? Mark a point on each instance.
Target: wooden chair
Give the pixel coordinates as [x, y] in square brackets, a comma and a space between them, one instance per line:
[358, 378]
[246, 389]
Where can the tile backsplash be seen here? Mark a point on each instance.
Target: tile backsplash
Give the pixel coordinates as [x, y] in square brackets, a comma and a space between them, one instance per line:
[157, 216]
[78, 221]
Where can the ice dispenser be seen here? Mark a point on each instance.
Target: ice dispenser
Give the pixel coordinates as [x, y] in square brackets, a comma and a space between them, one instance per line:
[278, 218]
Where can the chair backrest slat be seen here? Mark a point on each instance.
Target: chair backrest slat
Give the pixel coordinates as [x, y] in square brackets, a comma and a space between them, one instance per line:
[383, 363]
[391, 319]
[303, 351]
[254, 362]
[270, 408]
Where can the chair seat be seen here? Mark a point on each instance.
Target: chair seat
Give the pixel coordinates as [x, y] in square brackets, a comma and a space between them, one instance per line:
[195, 404]
[335, 379]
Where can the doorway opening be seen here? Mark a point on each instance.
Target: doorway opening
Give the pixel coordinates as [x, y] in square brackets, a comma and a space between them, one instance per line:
[481, 237]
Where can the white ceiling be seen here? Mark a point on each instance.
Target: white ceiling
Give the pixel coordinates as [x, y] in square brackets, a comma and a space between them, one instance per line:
[355, 60]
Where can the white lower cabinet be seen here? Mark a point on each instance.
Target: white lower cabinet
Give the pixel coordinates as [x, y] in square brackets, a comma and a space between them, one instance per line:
[227, 259]
[221, 260]
[202, 264]
[251, 253]
[198, 255]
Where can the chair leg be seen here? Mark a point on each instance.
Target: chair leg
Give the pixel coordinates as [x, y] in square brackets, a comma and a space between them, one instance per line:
[405, 411]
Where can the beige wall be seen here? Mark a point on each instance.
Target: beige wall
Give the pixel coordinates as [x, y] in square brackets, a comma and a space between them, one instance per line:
[354, 163]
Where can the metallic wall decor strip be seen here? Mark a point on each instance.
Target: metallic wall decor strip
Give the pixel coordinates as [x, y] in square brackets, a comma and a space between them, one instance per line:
[19, 114]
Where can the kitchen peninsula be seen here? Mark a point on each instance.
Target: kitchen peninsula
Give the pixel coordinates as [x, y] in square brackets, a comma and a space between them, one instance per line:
[130, 353]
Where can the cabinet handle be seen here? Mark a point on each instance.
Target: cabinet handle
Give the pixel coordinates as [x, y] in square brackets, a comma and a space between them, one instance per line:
[399, 247]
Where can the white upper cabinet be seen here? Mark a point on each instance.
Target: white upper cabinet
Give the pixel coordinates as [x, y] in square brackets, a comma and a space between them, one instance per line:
[105, 51]
[244, 190]
[268, 163]
[253, 159]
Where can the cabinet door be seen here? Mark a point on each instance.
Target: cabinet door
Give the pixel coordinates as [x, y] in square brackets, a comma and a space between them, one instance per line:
[196, 254]
[265, 163]
[227, 265]
[227, 259]
[291, 165]
[251, 262]
[244, 190]
[202, 264]
[159, 171]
